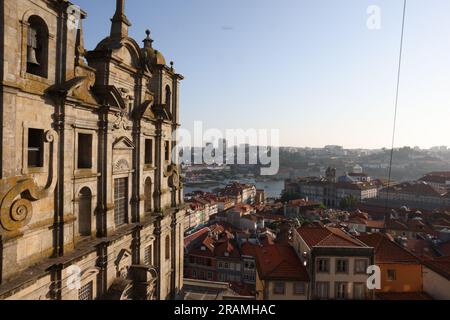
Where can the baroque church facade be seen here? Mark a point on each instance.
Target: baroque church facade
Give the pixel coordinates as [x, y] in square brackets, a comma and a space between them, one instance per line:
[90, 193]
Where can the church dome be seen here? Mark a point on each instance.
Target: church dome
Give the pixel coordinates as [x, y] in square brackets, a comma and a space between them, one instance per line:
[152, 56]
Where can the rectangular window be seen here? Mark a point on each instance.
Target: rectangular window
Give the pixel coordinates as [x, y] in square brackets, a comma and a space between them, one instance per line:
[391, 275]
[322, 290]
[279, 288]
[167, 150]
[86, 292]
[299, 288]
[121, 201]
[341, 290]
[35, 148]
[148, 151]
[359, 291]
[361, 266]
[323, 265]
[84, 151]
[210, 276]
[148, 256]
[341, 266]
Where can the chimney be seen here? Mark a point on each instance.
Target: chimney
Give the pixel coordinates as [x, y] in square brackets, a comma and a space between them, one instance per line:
[120, 23]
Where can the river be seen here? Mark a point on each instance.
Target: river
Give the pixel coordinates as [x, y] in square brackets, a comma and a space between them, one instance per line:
[273, 188]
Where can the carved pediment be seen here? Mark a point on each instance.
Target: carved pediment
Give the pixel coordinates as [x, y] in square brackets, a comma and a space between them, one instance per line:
[123, 143]
[111, 96]
[146, 109]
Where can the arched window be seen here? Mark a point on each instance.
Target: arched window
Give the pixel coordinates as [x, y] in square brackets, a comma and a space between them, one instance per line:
[85, 212]
[168, 99]
[37, 47]
[167, 247]
[148, 195]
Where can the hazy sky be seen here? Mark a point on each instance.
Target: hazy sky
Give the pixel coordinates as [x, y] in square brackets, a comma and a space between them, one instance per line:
[310, 68]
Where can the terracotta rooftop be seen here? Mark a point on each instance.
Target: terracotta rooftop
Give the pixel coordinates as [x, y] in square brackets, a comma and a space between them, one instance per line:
[201, 233]
[421, 248]
[248, 249]
[317, 236]
[444, 249]
[436, 177]
[378, 224]
[279, 262]
[417, 188]
[302, 203]
[439, 265]
[386, 250]
[404, 296]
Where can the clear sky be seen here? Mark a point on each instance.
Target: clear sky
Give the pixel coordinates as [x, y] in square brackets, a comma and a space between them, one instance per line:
[310, 68]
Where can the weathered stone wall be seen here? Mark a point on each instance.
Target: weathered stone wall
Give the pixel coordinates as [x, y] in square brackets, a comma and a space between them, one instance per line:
[115, 99]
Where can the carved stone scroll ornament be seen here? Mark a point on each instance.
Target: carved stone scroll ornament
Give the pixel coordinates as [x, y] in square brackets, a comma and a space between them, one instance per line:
[16, 203]
[173, 175]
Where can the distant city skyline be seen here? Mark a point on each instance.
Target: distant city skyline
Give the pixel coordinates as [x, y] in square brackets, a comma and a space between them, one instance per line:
[313, 70]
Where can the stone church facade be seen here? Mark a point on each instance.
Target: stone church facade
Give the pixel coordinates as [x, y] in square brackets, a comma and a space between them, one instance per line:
[90, 194]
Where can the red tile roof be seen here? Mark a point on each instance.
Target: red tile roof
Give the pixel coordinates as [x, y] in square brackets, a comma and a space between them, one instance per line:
[386, 250]
[436, 177]
[440, 265]
[248, 249]
[403, 296]
[376, 224]
[317, 236]
[416, 188]
[280, 262]
[302, 203]
[226, 247]
[421, 248]
[201, 233]
[444, 249]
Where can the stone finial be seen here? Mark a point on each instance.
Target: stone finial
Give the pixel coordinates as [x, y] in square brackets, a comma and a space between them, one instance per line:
[120, 22]
[148, 41]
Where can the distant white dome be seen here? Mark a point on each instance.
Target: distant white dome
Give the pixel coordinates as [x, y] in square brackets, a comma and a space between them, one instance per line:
[357, 169]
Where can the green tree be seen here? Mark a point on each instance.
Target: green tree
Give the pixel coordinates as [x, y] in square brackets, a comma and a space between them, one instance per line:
[349, 203]
[288, 196]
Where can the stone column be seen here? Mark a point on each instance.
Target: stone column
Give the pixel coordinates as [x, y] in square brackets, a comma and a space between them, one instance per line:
[101, 212]
[158, 263]
[102, 264]
[158, 163]
[173, 257]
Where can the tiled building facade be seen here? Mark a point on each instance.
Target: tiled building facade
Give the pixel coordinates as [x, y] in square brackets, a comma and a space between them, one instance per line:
[89, 187]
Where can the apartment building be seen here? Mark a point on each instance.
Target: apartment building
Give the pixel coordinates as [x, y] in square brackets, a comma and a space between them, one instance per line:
[330, 192]
[401, 271]
[336, 262]
[280, 274]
